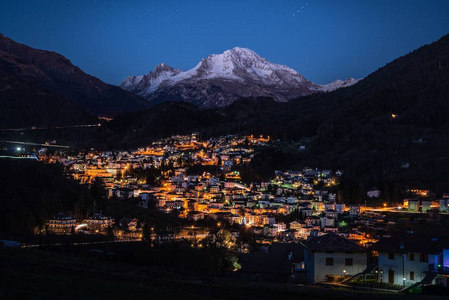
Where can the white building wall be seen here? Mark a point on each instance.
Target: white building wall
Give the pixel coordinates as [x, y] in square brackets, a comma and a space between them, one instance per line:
[317, 270]
[402, 266]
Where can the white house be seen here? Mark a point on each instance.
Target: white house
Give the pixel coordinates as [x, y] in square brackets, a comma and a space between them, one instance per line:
[327, 222]
[331, 256]
[373, 192]
[340, 207]
[426, 205]
[413, 205]
[295, 225]
[444, 205]
[354, 210]
[406, 259]
[306, 212]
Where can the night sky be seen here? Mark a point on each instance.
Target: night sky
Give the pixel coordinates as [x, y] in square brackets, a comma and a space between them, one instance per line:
[322, 40]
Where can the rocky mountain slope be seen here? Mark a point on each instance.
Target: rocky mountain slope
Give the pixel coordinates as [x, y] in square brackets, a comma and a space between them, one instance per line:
[52, 72]
[390, 128]
[221, 79]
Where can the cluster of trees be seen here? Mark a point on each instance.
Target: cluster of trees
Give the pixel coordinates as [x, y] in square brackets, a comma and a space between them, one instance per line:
[33, 192]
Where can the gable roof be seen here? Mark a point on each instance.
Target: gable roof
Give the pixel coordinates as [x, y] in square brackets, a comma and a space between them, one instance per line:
[332, 242]
[408, 242]
[127, 220]
[279, 259]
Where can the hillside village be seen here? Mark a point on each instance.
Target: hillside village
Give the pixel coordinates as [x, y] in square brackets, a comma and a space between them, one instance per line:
[295, 221]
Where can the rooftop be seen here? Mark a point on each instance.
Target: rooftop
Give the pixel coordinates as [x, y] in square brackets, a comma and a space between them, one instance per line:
[409, 242]
[332, 242]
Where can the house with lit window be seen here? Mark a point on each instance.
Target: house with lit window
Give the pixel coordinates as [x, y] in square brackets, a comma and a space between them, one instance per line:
[129, 223]
[61, 224]
[99, 222]
[331, 257]
[409, 259]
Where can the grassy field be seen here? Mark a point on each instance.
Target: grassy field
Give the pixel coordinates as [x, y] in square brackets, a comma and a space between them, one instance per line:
[38, 274]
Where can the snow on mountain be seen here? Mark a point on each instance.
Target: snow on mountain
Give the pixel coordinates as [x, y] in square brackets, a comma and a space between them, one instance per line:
[221, 79]
[337, 84]
[149, 83]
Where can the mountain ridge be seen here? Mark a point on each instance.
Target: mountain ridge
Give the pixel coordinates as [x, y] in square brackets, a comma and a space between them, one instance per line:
[395, 117]
[220, 79]
[55, 73]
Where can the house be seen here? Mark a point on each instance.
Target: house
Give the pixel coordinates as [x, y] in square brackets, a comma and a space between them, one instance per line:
[195, 215]
[327, 222]
[329, 206]
[373, 192]
[444, 205]
[295, 225]
[192, 205]
[306, 231]
[330, 256]
[129, 223]
[340, 208]
[284, 262]
[426, 205]
[354, 210]
[165, 237]
[306, 212]
[122, 193]
[280, 226]
[99, 222]
[331, 213]
[313, 221]
[270, 230]
[411, 259]
[413, 205]
[61, 224]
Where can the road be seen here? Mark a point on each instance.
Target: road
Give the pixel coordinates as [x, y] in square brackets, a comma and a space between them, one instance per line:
[55, 127]
[35, 144]
[80, 243]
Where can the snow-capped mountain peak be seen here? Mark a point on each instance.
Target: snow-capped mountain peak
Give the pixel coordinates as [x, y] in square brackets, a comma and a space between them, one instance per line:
[220, 79]
[163, 68]
[150, 82]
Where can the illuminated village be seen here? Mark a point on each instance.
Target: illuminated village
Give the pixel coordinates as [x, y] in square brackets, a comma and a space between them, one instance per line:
[297, 212]
[224, 150]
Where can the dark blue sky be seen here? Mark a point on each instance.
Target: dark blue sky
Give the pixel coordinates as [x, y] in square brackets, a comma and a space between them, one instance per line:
[324, 41]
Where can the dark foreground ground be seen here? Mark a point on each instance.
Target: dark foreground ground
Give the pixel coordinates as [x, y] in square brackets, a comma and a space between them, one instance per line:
[38, 274]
